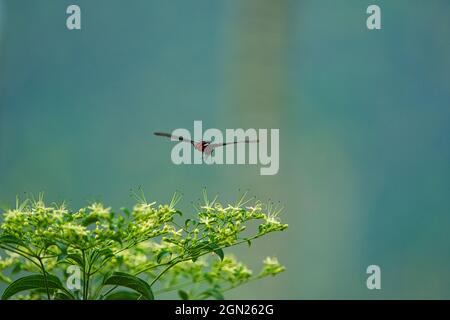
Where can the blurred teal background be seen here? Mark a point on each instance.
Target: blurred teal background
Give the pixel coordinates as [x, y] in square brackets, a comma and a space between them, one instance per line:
[363, 118]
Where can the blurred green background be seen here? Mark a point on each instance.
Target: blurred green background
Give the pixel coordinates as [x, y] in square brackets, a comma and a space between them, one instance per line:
[363, 118]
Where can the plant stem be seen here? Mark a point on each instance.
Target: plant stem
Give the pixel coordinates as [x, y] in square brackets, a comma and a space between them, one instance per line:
[162, 272]
[45, 278]
[88, 275]
[84, 275]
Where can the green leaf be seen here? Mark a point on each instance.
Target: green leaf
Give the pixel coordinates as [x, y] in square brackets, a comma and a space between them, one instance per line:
[106, 253]
[216, 294]
[123, 295]
[62, 246]
[63, 251]
[61, 257]
[62, 296]
[162, 255]
[17, 267]
[217, 250]
[179, 212]
[5, 279]
[36, 281]
[89, 220]
[130, 281]
[6, 239]
[117, 238]
[183, 295]
[48, 243]
[76, 258]
[126, 211]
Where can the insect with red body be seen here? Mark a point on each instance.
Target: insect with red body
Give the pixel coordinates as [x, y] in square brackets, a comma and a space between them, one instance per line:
[205, 147]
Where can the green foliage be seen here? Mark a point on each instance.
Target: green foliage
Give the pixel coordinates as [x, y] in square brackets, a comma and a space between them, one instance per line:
[147, 251]
[36, 281]
[130, 281]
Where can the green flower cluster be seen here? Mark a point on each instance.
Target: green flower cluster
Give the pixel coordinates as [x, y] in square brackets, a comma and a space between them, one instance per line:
[146, 251]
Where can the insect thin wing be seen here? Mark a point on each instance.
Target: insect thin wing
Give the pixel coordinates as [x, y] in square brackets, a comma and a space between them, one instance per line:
[215, 145]
[210, 148]
[172, 137]
[162, 134]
